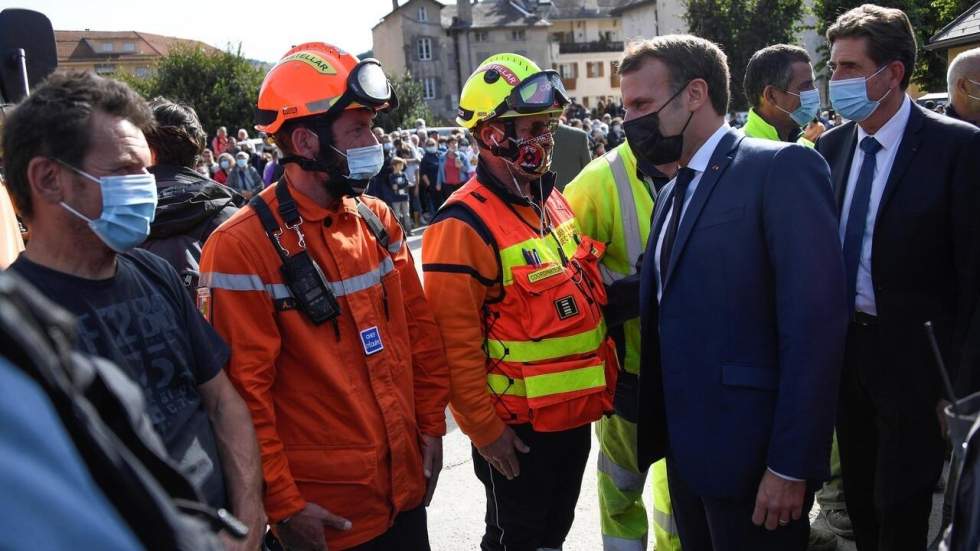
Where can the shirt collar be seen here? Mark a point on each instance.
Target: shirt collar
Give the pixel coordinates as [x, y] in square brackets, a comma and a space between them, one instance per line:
[890, 134]
[699, 162]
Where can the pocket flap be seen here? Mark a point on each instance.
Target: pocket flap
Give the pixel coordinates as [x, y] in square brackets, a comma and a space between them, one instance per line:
[538, 279]
[764, 378]
[332, 465]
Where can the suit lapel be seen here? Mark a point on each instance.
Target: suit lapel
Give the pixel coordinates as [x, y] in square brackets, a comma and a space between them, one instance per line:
[720, 159]
[906, 152]
[664, 198]
[842, 166]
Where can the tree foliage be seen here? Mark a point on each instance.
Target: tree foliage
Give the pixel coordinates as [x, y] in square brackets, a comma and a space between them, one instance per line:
[927, 17]
[222, 87]
[411, 105]
[741, 27]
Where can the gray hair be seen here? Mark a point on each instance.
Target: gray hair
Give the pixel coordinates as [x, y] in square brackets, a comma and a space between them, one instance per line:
[963, 66]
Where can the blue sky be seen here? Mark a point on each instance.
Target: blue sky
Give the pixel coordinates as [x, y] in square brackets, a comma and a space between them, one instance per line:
[265, 29]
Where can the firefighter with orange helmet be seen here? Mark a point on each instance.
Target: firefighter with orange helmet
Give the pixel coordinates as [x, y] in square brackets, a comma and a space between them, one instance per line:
[515, 287]
[334, 348]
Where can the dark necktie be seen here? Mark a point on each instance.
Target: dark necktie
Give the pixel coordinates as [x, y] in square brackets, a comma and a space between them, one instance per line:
[684, 177]
[858, 215]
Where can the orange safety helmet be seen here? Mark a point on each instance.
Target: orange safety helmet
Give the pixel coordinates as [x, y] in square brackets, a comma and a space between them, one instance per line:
[315, 79]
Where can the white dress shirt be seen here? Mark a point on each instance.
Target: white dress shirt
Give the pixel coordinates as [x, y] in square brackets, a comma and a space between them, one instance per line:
[890, 137]
[698, 163]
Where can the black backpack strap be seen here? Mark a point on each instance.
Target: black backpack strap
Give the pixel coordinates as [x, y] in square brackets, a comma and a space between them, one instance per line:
[287, 207]
[374, 224]
[272, 229]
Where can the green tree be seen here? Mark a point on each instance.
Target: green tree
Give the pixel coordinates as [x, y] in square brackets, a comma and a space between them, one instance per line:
[741, 27]
[222, 87]
[411, 105]
[927, 18]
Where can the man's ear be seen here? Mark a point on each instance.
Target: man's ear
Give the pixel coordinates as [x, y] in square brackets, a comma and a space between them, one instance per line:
[769, 94]
[491, 135]
[42, 177]
[305, 142]
[697, 94]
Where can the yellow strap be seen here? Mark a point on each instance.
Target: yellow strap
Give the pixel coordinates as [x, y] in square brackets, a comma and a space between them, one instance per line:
[549, 384]
[547, 349]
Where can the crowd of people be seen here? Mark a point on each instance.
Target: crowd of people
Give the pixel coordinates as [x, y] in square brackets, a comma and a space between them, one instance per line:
[223, 342]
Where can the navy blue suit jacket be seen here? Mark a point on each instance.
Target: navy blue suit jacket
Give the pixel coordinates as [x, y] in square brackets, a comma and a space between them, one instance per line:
[741, 359]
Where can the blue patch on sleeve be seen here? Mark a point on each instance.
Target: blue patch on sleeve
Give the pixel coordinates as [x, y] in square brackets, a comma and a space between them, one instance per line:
[371, 341]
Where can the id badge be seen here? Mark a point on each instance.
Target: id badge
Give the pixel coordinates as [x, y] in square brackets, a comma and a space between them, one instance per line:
[204, 302]
[371, 341]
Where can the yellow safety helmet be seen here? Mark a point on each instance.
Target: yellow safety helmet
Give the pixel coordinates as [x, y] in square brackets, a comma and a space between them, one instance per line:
[509, 85]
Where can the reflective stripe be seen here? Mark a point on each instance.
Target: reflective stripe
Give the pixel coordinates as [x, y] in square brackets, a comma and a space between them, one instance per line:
[547, 349]
[364, 281]
[252, 282]
[502, 384]
[243, 282]
[549, 384]
[612, 543]
[664, 521]
[627, 212]
[394, 247]
[624, 479]
[545, 246]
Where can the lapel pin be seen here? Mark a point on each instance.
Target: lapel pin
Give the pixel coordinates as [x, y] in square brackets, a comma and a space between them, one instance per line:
[714, 167]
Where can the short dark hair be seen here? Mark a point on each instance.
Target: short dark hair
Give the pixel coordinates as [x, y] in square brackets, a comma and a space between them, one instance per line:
[53, 121]
[889, 33]
[772, 65]
[687, 57]
[177, 138]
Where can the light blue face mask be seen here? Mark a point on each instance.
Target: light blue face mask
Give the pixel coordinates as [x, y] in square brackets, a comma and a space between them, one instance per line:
[850, 97]
[363, 163]
[809, 106]
[129, 204]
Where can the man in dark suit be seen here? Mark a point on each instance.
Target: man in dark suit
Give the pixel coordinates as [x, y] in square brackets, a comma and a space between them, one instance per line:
[742, 308]
[905, 181]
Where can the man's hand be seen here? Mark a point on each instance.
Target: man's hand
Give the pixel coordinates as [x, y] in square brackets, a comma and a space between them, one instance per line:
[778, 502]
[500, 453]
[304, 531]
[813, 130]
[431, 464]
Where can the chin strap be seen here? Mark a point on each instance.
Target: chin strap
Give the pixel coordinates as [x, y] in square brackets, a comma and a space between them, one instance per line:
[338, 184]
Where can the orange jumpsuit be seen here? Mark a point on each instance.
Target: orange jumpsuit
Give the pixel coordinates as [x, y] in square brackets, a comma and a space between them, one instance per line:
[338, 420]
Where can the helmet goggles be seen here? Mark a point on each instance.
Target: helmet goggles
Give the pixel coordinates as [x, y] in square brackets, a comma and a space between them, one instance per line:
[537, 93]
[367, 85]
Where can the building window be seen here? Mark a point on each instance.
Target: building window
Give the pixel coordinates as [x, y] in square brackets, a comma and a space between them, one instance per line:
[105, 47]
[423, 14]
[594, 69]
[129, 47]
[518, 35]
[142, 72]
[105, 68]
[568, 70]
[425, 49]
[481, 36]
[606, 36]
[428, 88]
[614, 74]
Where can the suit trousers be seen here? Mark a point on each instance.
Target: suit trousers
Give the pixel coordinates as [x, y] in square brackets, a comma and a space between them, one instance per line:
[725, 524]
[408, 533]
[872, 426]
[536, 509]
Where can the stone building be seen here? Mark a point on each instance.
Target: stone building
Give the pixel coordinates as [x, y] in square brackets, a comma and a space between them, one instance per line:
[111, 52]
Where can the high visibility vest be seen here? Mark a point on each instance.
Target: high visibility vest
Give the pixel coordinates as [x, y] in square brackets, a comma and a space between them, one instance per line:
[549, 360]
[616, 206]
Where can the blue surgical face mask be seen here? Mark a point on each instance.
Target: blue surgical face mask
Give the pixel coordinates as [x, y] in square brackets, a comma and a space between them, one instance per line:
[850, 97]
[224, 164]
[809, 106]
[363, 163]
[129, 204]
[241, 162]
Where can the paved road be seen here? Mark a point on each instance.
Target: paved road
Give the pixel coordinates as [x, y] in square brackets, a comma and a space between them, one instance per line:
[456, 514]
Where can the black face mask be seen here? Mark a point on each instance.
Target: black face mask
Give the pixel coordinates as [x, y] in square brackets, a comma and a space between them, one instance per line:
[648, 143]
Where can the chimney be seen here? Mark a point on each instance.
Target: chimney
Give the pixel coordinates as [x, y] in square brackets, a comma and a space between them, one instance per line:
[394, 5]
[464, 11]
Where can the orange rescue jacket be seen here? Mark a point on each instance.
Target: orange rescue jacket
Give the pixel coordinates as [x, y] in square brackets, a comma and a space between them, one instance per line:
[337, 426]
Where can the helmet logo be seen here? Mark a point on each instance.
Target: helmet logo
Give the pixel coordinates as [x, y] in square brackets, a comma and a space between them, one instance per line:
[313, 60]
[502, 71]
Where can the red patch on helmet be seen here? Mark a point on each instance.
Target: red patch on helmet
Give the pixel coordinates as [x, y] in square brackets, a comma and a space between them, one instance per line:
[503, 71]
